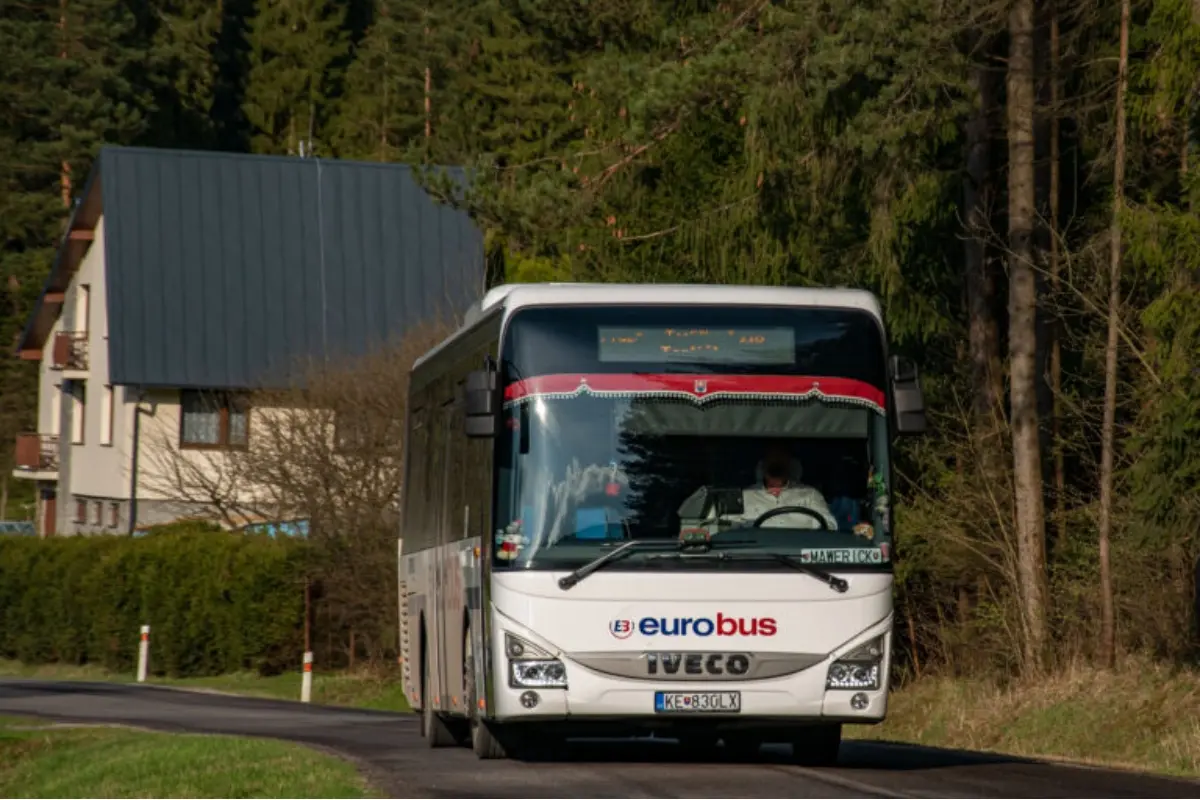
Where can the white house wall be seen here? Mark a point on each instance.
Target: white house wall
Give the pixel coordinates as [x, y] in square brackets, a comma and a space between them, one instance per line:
[96, 469]
[49, 387]
[164, 465]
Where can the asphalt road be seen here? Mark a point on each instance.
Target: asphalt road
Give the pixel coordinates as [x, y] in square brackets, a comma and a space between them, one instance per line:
[388, 748]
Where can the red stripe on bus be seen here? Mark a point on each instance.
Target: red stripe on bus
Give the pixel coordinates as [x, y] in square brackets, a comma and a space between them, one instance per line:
[697, 387]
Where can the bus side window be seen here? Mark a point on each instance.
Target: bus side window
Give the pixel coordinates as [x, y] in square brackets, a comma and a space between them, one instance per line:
[416, 493]
[436, 473]
[456, 468]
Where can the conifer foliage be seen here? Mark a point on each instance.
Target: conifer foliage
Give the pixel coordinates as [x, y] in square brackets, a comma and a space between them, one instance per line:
[960, 159]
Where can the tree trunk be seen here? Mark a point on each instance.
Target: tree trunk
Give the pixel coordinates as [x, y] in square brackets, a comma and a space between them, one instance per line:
[983, 337]
[1060, 475]
[912, 640]
[1023, 300]
[1108, 628]
[385, 113]
[65, 168]
[4, 496]
[428, 88]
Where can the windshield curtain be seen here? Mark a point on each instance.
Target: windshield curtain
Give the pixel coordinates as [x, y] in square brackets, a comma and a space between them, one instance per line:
[649, 422]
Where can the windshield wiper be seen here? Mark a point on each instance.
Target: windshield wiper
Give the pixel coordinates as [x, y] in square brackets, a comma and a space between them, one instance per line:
[839, 585]
[567, 581]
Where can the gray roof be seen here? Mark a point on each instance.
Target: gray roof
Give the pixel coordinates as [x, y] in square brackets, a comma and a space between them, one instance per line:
[227, 270]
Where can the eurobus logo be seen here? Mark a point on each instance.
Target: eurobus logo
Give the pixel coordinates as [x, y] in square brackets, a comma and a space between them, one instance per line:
[722, 625]
[621, 628]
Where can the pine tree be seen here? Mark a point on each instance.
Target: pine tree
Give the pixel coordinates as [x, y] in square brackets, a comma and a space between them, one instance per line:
[295, 46]
[86, 61]
[67, 86]
[381, 116]
[184, 71]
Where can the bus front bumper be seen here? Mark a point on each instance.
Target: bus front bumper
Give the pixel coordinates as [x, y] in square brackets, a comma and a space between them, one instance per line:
[800, 698]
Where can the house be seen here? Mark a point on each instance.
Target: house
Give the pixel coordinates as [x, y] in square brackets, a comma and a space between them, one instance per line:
[185, 280]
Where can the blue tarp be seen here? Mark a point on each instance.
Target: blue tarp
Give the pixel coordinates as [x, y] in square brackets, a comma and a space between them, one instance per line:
[295, 527]
[17, 528]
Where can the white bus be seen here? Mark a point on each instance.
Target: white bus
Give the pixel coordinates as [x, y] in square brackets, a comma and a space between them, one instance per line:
[653, 510]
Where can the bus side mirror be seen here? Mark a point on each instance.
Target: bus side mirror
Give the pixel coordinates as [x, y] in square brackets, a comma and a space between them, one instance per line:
[907, 397]
[482, 410]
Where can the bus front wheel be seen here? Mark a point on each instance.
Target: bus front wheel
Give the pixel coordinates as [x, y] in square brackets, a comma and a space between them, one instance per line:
[817, 746]
[433, 727]
[484, 742]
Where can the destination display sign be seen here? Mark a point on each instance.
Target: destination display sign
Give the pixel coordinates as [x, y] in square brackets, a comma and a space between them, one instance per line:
[697, 345]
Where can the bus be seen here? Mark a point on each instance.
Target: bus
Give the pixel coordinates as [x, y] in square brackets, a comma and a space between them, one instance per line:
[653, 510]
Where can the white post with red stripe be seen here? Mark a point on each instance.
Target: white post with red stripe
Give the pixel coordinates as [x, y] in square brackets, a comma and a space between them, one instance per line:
[143, 654]
[306, 681]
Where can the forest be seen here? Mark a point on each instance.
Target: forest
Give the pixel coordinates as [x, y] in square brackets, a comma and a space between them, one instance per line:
[1017, 181]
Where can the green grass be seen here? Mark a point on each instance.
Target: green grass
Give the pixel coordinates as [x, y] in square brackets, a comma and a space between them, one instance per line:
[1141, 716]
[360, 689]
[107, 762]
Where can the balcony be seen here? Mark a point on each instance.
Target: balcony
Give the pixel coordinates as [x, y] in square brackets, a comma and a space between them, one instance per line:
[70, 353]
[36, 456]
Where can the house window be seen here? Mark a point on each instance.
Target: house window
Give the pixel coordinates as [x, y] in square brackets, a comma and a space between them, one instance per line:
[78, 410]
[56, 409]
[213, 419]
[81, 511]
[98, 513]
[106, 416]
[114, 514]
[83, 308]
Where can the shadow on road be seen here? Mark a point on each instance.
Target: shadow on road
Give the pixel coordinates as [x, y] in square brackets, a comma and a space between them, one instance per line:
[878, 754]
[855, 753]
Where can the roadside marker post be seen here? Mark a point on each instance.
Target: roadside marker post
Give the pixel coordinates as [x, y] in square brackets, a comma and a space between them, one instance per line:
[143, 654]
[306, 681]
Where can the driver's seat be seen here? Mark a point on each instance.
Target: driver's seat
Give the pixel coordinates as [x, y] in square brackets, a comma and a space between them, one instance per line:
[795, 473]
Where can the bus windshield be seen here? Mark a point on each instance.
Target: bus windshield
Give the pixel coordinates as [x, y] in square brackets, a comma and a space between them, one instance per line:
[767, 425]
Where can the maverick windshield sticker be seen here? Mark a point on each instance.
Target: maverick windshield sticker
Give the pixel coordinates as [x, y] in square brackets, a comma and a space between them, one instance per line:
[698, 389]
[844, 555]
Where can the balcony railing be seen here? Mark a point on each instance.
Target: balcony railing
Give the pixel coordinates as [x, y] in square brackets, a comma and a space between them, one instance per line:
[70, 350]
[37, 452]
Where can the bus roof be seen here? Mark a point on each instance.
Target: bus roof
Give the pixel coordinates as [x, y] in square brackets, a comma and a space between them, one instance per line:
[512, 296]
[515, 295]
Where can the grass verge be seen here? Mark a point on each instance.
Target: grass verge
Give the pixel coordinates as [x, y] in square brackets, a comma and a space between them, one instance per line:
[1142, 716]
[38, 759]
[359, 689]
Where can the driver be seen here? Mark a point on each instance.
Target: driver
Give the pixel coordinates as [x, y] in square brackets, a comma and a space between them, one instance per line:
[778, 484]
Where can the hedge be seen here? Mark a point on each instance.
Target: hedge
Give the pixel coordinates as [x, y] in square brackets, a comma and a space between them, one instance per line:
[217, 602]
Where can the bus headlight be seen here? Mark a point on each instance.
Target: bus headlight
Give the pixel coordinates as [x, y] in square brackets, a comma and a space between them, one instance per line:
[858, 669]
[541, 674]
[530, 666]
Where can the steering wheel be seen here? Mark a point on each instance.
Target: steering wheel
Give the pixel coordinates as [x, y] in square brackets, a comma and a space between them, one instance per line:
[781, 510]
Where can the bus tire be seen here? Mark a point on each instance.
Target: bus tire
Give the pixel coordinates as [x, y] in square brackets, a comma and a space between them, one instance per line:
[742, 746]
[433, 727]
[817, 746]
[698, 744]
[484, 742]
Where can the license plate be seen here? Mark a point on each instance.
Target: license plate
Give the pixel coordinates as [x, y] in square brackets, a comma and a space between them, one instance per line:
[701, 702]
